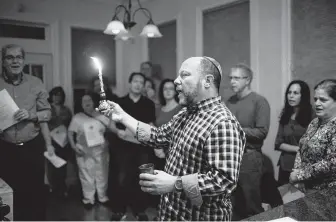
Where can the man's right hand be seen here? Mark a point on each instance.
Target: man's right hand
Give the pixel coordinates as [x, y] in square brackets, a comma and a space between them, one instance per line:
[115, 112]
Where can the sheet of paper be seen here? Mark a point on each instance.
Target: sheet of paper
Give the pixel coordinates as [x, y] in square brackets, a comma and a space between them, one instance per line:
[284, 219]
[55, 160]
[92, 134]
[7, 109]
[59, 135]
[290, 193]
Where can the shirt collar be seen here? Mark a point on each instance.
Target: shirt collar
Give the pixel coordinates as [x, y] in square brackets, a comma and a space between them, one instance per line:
[8, 80]
[204, 104]
[129, 98]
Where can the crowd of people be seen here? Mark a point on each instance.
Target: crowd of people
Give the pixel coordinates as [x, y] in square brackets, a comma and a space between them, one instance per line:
[207, 152]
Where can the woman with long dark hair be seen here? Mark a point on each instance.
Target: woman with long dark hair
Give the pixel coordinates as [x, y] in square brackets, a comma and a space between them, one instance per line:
[294, 120]
[169, 107]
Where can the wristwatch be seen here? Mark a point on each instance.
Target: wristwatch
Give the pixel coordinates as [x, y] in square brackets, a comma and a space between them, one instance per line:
[178, 184]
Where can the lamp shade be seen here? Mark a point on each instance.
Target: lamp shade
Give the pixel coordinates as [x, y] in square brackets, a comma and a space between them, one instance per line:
[151, 31]
[124, 35]
[114, 28]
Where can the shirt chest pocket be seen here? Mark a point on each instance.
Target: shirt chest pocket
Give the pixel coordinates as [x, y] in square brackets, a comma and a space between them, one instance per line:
[27, 101]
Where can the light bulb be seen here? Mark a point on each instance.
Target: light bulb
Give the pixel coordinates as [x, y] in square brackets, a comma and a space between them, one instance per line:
[150, 35]
[115, 31]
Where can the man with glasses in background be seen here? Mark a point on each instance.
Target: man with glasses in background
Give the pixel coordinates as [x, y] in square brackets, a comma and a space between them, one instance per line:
[253, 113]
[22, 145]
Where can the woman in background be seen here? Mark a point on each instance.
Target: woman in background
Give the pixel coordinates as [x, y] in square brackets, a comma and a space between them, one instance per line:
[315, 162]
[150, 92]
[169, 107]
[60, 116]
[294, 120]
[86, 137]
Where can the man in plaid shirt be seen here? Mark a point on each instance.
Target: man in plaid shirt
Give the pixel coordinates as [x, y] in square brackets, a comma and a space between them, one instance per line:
[205, 146]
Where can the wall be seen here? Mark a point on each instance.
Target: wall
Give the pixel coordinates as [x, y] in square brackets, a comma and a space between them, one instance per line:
[270, 56]
[314, 37]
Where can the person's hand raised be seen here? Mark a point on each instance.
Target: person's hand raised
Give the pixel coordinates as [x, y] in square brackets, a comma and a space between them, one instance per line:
[112, 110]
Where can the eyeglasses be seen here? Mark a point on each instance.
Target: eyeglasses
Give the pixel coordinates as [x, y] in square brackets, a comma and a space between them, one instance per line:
[237, 78]
[12, 58]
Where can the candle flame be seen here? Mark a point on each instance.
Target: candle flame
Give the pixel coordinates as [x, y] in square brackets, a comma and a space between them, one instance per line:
[97, 63]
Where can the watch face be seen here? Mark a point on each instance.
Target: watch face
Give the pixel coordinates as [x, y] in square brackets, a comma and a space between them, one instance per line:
[178, 184]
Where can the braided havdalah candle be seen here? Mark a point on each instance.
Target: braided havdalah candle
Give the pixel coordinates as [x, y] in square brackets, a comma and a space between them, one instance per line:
[103, 104]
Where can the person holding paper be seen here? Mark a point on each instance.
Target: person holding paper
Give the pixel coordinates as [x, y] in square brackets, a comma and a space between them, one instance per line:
[22, 145]
[205, 144]
[58, 125]
[86, 137]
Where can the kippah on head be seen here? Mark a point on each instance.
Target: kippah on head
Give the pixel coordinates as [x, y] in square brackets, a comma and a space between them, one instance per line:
[215, 63]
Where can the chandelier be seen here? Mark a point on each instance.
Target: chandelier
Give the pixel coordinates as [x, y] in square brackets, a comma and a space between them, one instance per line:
[122, 29]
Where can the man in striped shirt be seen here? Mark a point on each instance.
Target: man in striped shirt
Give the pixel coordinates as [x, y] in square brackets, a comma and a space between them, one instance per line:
[205, 146]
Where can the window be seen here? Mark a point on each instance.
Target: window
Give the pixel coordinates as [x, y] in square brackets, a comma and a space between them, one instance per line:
[34, 70]
[15, 29]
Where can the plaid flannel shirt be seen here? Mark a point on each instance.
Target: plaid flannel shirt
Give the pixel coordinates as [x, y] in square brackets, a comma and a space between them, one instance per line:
[205, 140]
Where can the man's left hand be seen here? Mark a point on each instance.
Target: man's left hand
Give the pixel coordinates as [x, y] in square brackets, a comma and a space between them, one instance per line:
[50, 149]
[21, 114]
[157, 184]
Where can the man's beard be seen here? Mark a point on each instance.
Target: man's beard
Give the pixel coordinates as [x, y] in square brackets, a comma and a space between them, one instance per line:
[189, 98]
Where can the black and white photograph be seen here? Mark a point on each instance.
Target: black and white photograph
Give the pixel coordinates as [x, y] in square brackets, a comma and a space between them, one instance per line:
[168, 110]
